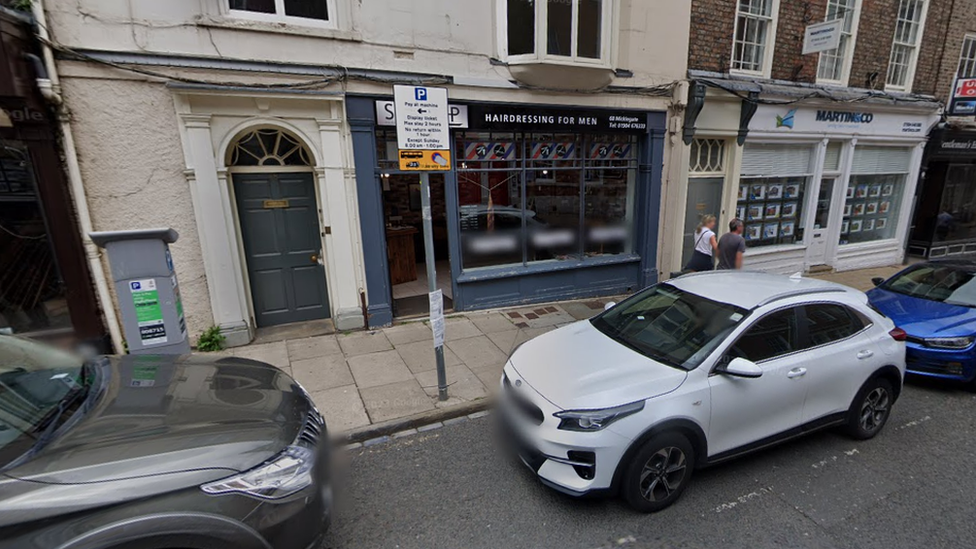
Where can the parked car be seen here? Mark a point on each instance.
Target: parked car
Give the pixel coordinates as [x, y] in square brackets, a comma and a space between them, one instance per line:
[695, 371]
[157, 451]
[935, 303]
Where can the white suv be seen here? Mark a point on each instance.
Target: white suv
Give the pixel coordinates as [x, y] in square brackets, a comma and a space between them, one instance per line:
[692, 372]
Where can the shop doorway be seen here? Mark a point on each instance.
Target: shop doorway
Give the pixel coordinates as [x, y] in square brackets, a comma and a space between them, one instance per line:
[403, 219]
[704, 198]
[817, 248]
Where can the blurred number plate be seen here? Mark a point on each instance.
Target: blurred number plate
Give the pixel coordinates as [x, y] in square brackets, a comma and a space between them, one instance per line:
[273, 204]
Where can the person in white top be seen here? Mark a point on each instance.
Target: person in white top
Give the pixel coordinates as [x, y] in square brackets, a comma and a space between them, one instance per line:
[705, 246]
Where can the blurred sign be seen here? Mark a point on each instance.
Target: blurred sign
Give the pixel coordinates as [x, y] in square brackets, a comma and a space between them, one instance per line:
[423, 161]
[963, 102]
[822, 36]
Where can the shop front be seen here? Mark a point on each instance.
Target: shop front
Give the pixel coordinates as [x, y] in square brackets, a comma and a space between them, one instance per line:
[542, 203]
[818, 186]
[46, 290]
[945, 212]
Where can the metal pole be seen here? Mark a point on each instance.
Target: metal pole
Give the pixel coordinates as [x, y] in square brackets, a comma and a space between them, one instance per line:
[432, 280]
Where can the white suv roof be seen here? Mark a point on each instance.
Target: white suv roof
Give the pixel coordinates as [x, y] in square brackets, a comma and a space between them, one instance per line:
[749, 290]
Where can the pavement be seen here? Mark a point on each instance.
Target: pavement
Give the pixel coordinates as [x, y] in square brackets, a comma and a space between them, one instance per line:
[911, 486]
[374, 383]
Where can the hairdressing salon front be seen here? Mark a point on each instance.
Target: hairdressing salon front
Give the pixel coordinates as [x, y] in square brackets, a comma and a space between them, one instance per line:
[542, 203]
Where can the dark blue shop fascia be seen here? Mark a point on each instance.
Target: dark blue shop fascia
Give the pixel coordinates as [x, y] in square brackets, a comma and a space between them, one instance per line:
[519, 284]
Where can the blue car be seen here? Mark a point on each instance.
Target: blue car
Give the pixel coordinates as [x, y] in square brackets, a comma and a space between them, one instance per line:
[935, 303]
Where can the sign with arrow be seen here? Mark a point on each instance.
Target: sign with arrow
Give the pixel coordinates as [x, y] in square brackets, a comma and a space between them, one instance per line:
[422, 118]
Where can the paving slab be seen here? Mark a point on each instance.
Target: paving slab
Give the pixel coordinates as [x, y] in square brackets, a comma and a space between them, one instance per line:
[504, 340]
[377, 369]
[395, 400]
[459, 328]
[311, 347]
[361, 343]
[321, 373]
[275, 354]
[462, 383]
[342, 408]
[490, 376]
[490, 323]
[579, 311]
[419, 356]
[477, 351]
[408, 333]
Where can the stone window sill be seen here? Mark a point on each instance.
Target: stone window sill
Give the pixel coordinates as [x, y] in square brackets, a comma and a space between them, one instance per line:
[233, 23]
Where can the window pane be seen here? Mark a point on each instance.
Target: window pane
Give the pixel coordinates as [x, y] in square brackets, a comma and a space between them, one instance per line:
[828, 323]
[553, 203]
[871, 210]
[261, 6]
[956, 219]
[310, 9]
[560, 22]
[609, 195]
[521, 27]
[772, 208]
[774, 335]
[967, 60]
[590, 27]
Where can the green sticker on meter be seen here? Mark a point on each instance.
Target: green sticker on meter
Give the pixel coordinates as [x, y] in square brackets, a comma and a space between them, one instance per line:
[149, 313]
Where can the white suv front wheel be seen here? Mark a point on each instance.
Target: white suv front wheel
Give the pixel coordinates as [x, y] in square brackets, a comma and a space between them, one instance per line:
[659, 472]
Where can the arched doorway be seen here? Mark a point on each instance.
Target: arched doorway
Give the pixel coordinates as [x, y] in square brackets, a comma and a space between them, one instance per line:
[275, 193]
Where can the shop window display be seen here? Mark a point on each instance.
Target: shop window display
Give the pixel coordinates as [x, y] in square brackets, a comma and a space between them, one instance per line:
[771, 208]
[871, 208]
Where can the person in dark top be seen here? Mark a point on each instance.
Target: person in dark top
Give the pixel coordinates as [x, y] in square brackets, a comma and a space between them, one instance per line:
[732, 246]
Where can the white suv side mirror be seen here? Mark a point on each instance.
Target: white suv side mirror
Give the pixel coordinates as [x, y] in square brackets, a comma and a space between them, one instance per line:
[609, 305]
[741, 367]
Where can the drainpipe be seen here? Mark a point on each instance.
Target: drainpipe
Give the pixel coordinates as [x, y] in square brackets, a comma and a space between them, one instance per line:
[50, 89]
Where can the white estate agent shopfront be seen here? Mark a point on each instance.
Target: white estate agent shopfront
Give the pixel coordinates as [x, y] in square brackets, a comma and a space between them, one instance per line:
[827, 185]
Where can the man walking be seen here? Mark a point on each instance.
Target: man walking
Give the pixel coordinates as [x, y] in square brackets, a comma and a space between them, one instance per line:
[731, 246]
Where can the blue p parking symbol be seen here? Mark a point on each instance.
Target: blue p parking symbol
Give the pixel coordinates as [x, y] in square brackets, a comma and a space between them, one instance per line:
[420, 94]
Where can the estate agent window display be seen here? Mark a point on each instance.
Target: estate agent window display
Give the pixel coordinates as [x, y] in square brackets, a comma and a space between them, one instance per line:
[874, 194]
[771, 208]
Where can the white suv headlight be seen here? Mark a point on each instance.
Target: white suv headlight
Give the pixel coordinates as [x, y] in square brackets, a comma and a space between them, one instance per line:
[594, 420]
[287, 473]
[949, 342]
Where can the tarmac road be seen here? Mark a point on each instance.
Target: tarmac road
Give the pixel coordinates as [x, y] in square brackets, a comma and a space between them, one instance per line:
[912, 486]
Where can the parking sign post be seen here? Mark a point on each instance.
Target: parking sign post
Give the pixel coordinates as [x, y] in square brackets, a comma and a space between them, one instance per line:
[423, 136]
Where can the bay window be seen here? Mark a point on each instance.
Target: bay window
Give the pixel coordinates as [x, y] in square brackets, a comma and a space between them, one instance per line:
[302, 12]
[904, 48]
[835, 64]
[575, 31]
[755, 34]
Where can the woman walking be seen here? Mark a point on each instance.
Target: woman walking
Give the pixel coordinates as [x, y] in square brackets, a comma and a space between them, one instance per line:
[705, 246]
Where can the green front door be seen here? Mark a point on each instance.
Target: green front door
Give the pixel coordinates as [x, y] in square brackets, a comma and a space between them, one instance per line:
[282, 247]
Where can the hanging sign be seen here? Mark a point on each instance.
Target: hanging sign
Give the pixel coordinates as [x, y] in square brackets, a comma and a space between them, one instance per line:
[822, 36]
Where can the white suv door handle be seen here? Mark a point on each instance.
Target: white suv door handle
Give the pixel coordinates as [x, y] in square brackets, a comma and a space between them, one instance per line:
[796, 372]
[865, 354]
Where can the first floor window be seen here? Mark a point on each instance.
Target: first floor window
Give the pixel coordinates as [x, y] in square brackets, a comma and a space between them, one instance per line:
[772, 193]
[571, 29]
[875, 193]
[834, 63]
[753, 28]
[530, 197]
[306, 9]
[967, 59]
[904, 48]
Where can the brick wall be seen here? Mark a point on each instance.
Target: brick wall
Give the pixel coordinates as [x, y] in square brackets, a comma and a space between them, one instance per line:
[959, 23]
[713, 24]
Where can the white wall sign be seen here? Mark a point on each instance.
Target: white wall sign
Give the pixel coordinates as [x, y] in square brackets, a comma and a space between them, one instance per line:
[421, 118]
[457, 115]
[845, 119]
[822, 36]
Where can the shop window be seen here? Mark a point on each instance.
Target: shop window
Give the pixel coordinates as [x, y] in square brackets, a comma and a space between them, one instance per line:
[967, 59]
[561, 30]
[772, 192]
[956, 220]
[755, 31]
[904, 48]
[527, 198]
[32, 295]
[835, 64]
[303, 12]
[875, 193]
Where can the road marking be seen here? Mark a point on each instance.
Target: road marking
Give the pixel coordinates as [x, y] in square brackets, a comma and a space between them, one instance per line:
[743, 499]
[915, 422]
[833, 459]
[620, 542]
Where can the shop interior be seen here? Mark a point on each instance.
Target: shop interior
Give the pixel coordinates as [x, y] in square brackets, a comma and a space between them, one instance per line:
[405, 242]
